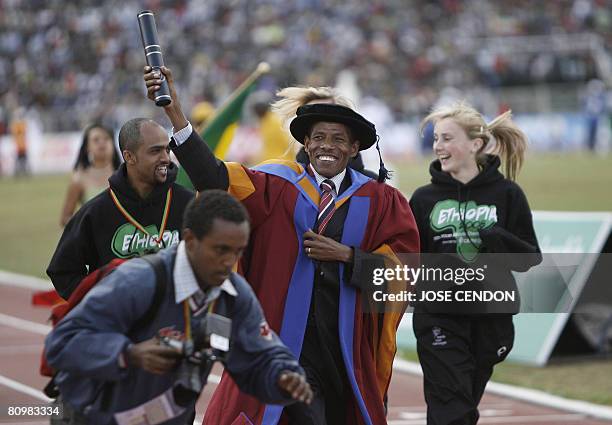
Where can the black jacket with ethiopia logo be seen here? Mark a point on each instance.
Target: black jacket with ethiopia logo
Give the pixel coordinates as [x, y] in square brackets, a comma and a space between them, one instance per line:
[487, 215]
[99, 232]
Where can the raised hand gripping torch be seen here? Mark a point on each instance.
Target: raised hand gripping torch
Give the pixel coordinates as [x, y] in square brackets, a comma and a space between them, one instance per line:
[153, 54]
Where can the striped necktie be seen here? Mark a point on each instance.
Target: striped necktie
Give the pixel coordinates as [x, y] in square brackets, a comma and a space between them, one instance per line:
[327, 206]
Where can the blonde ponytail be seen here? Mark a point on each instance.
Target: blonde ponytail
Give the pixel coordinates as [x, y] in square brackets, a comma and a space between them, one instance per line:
[511, 143]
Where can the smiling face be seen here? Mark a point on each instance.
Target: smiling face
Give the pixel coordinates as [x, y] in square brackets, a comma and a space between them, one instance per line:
[213, 256]
[330, 148]
[455, 150]
[151, 158]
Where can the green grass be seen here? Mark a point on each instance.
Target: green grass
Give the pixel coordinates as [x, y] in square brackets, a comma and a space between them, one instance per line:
[554, 182]
[588, 380]
[31, 207]
[30, 215]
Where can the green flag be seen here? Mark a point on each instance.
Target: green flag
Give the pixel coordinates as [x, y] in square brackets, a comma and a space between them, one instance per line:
[219, 131]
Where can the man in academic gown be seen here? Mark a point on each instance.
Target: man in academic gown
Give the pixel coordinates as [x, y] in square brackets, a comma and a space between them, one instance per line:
[317, 234]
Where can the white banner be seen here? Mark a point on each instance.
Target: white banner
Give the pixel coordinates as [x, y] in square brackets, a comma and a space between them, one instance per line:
[47, 153]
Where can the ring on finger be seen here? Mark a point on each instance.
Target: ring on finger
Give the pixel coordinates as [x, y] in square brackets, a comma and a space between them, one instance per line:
[308, 250]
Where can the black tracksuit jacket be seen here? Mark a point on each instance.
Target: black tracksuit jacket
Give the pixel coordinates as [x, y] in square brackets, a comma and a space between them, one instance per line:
[488, 215]
[99, 232]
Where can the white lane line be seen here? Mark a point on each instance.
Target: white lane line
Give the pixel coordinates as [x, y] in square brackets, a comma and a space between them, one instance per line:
[34, 423]
[484, 406]
[214, 379]
[33, 392]
[23, 281]
[22, 388]
[544, 399]
[412, 416]
[527, 395]
[24, 325]
[531, 419]
[492, 413]
[501, 420]
[407, 366]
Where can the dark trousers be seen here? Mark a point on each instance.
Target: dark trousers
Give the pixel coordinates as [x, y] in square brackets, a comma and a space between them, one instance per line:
[21, 165]
[457, 354]
[321, 359]
[326, 408]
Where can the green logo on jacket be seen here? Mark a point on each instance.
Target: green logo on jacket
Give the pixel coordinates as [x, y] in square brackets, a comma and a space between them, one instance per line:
[465, 219]
[131, 242]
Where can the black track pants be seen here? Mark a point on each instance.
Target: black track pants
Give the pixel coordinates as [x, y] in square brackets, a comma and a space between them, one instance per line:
[457, 354]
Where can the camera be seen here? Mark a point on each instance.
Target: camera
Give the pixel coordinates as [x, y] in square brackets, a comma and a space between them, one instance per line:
[210, 342]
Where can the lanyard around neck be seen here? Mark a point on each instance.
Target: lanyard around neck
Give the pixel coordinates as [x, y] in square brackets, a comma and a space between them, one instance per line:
[159, 239]
[187, 316]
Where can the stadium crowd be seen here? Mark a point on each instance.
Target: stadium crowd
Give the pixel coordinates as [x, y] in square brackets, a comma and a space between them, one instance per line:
[85, 56]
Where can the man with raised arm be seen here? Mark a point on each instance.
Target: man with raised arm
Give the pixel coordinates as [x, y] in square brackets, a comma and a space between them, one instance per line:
[317, 233]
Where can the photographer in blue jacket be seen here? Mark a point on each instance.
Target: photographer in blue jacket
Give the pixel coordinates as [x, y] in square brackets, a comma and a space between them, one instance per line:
[114, 370]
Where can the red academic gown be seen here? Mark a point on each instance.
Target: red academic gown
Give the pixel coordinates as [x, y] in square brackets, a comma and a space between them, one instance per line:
[282, 200]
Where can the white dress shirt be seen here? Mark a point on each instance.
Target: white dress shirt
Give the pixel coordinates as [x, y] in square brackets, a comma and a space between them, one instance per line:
[337, 179]
[186, 285]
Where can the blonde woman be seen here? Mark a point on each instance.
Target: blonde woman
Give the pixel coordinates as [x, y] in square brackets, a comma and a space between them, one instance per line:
[469, 208]
[291, 98]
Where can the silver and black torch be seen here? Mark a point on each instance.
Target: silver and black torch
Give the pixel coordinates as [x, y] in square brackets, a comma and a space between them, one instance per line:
[153, 54]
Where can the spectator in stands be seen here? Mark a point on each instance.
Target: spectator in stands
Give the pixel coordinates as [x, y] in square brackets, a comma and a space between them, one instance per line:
[395, 48]
[274, 138]
[595, 111]
[19, 131]
[200, 114]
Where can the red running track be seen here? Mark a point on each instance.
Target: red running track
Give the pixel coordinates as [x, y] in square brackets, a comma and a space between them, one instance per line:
[22, 330]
